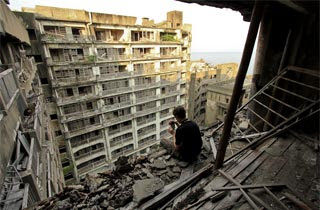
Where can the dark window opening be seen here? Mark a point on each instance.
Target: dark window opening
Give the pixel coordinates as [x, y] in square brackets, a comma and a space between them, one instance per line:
[92, 121]
[62, 149]
[44, 81]
[89, 105]
[77, 72]
[68, 176]
[32, 34]
[53, 116]
[37, 58]
[58, 133]
[69, 92]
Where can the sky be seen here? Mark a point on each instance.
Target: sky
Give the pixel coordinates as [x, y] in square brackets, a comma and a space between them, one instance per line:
[213, 29]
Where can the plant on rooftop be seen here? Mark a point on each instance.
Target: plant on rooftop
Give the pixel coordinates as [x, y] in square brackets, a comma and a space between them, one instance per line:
[168, 38]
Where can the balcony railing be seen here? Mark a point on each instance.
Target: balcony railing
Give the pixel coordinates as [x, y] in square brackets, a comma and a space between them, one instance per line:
[65, 100]
[83, 130]
[146, 132]
[115, 120]
[122, 153]
[52, 37]
[115, 57]
[142, 122]
[170, 93]
[91, 166]
[145, 55]
[85, 141]
[88, 154]
[147, 98]
[75, 59]
[125, 128]
[120, 142]
[146, 85]
[166, 114]
[149, 141]
[115, 75]
[68, 80]
[146, 111]
[116, 106]
[116, 90]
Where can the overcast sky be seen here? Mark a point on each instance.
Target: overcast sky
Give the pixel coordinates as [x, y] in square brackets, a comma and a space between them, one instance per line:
[213, 29]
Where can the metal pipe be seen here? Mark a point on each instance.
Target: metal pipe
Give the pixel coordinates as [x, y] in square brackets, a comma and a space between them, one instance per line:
[237, 89]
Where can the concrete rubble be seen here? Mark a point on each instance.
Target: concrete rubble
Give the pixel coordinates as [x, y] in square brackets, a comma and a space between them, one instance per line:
[132, 181]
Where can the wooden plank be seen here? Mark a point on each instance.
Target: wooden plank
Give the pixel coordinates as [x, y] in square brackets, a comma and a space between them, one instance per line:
[213, 147]
[258, 200]
[254, 186]
[275, 198]
[166, 195]
[297, 202]
[246, 196]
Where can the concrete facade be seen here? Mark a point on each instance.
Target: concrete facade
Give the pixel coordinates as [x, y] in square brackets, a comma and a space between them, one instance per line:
[199, 75]
[111, 84]
[29, 166]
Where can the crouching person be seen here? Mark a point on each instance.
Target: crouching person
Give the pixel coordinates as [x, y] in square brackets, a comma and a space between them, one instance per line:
[187, 141]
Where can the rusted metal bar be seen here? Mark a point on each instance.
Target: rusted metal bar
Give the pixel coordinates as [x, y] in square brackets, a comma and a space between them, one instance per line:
[271, 110]
[247, 187]
[237, 89]
[275, 198]
[281, 102]
[261, 118]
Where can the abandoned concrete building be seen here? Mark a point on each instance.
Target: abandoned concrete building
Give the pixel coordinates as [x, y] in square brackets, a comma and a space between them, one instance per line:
[218, 98]
[30, 169]
[199, 75]
[110, 83]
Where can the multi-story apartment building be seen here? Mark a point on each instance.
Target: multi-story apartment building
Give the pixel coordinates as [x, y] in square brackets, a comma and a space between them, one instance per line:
[218, 99]
[30, 168]
[111, 83]
[199, 76]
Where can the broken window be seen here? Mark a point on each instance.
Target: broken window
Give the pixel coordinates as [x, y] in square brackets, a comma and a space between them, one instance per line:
[53, 116]
[84, 90]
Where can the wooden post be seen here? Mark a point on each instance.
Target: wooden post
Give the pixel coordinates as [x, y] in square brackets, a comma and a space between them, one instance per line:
[237, 89]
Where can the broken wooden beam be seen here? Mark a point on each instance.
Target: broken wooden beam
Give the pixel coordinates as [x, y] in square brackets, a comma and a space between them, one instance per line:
[297, 202]
[275, 198]
[246, 196]
[167, 195]
[247, 187]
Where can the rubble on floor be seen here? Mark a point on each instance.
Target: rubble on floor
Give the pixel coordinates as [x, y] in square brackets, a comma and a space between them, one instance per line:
[133, 181]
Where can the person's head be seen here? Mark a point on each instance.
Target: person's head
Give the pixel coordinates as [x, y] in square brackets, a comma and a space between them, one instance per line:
[179, 113]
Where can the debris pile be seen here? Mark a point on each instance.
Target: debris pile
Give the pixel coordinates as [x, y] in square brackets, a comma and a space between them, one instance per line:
[132, 181]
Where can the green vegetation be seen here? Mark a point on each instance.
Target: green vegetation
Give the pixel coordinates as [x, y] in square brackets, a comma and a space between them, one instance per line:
[168, 38]
[92, 58]
[68, 169]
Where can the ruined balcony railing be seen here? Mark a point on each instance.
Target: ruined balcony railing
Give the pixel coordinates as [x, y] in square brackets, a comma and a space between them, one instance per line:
[165, 82]
[170, 55]
[123, 152]
[120, 142]
[121, 129]
[146, 85]
[145, 111]
[79, 114]
[85, 141]
[146, 132]
[168, 105]
[115, 75]
[146, 142]
[147, 98]
[170, 93]
[76, 79]
[145, 55]
[142, 122]
[166, 115]
[83, 130]
[116, 120]
[116, 106]
[91, 166]
[74, 59]
[114, 57]
[90, 153]
[52, 37]
[71, 99]
[116, 90]
[170, 69]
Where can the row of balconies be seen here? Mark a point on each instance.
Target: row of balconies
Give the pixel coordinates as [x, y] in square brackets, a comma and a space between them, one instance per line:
[90, 166]
[115, 91]
[98, 59]
[70, 38]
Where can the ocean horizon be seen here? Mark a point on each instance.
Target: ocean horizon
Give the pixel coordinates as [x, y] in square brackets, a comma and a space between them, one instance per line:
[214, 58]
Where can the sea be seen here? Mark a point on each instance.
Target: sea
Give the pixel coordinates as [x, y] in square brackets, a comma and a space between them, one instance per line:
[214, 58]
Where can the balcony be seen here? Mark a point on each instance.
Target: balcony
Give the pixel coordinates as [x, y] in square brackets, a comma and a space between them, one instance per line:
[167, 81]
[170, 69]
[90, 155]
[111, 76]
[80, 144]
[146, 111]
[66, 38]
[72, 99]
[79, 59]
[115, 57]
[79, 115]
[91, 166]
[110, 107]
[121, 142]
[122, 153]
[170, 93]
[147, 141]
[143, 56]
[83, 130]
[116, 90]
[121, 129]
[169, 105]
[142, 122]
[76, 80]
[147, 132]
[144, 72]
[146, 85]
[147, 98]
[115, 120]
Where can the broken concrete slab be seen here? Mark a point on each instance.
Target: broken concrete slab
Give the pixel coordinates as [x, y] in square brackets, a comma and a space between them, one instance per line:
[142, 189]
[159, 164]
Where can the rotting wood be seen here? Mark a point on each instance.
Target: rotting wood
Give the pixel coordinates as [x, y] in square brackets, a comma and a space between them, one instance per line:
[297, 202]
[213, 147]
[210, 196]
[260, 201]
[166, 195]
[301, 197]
[250, 201]
[247, 187]
[275, 198]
